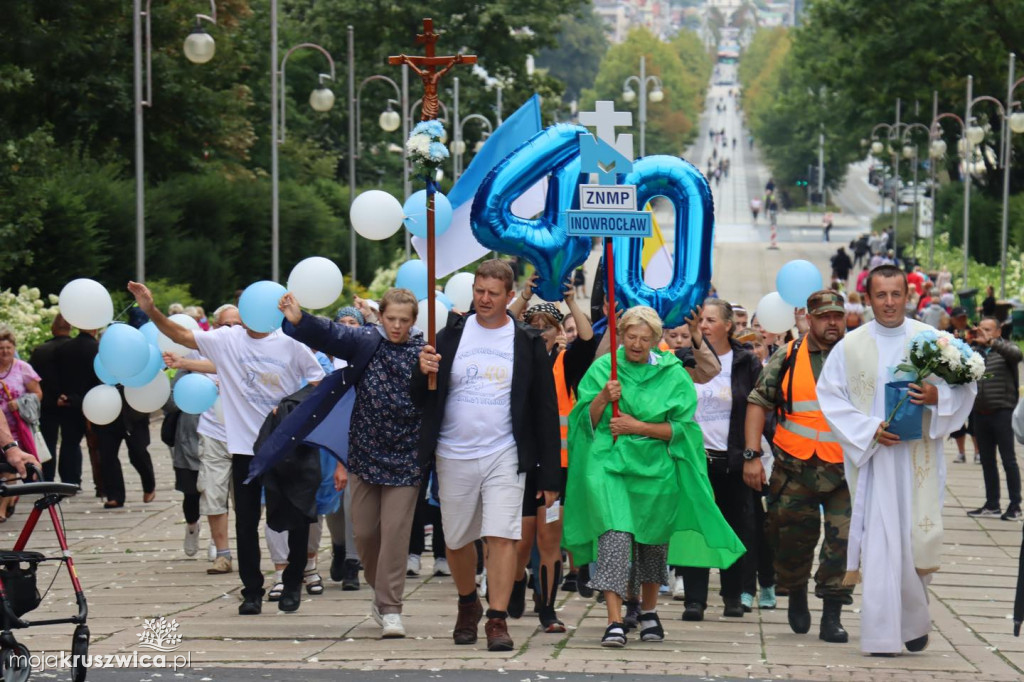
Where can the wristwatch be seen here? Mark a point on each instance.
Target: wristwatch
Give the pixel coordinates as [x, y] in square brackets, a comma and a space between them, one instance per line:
[749, 454]
[9, 446]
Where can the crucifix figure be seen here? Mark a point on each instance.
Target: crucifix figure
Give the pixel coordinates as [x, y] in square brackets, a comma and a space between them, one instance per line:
[426, 68]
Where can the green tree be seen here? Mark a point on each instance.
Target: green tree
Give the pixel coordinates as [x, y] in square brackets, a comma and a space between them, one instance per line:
[581, 45]
[671, 122]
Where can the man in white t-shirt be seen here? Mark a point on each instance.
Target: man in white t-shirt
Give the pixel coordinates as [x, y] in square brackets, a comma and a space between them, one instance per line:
[214, 483]
[255, 371]
[493, 418]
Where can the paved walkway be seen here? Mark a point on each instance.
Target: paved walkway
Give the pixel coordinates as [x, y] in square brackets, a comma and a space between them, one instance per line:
[133, 568]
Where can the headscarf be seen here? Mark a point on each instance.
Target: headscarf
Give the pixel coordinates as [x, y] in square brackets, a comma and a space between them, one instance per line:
[349, 311]
[544, 308]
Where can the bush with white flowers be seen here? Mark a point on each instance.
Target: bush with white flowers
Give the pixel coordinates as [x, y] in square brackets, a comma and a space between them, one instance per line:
[28, 315]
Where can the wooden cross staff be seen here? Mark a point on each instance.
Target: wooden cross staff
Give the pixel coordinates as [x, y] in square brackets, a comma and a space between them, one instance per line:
[426, 68]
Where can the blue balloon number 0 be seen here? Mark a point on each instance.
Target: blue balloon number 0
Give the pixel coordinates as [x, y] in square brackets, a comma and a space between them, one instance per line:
[682, 184]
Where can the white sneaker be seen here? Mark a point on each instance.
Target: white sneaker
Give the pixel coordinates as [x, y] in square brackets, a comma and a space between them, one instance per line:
[211, 552]
[191, 539]
[392, 626]
[375, 614]
[678, 591]
[412, 566]
[441, 567]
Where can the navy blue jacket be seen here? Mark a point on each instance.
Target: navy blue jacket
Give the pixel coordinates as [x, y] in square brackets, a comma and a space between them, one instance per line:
[355, 345]
[534, 404]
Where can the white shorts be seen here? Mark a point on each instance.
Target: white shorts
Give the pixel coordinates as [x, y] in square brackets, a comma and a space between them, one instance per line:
[214, 483]
[481, 497]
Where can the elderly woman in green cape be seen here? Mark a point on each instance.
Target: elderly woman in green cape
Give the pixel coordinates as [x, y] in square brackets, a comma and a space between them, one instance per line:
[638, 482]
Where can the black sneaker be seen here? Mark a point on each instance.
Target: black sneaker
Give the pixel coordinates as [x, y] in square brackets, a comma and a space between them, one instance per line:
[984, 512]
[569, 584]
[650, 628]
[733, 607]
[337, 563]
[1012, 513]
[517, 600]
[632, 619]
[694, 611]
[250, 607]
[350, 577]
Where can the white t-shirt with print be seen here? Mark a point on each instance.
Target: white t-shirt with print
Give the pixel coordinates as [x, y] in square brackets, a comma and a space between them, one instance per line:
[478, 414]
[714, 406]
[254, 375]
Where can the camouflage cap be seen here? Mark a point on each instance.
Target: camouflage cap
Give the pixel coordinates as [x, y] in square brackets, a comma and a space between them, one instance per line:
[825, 301]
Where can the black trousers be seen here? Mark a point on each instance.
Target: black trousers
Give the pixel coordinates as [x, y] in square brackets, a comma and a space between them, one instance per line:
[994, 431]
[248, 511]
[426, 513]
[68, 425]
[759, 561]
[136, 436]
[733, 498]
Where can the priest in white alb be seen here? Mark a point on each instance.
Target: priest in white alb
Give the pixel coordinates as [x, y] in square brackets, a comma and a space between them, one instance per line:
[897, 486]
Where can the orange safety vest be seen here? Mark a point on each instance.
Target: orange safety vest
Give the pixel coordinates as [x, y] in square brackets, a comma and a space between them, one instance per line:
[804, 431]
[566, 401]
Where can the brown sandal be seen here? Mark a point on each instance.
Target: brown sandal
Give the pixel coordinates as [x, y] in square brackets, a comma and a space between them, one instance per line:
[149, 497]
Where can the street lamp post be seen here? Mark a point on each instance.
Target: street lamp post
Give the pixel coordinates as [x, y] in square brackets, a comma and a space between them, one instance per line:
[892, 133]
[936, 150]
[321, 100]
[1013, 122]
[199, 47]
[656, 95]
[458, 145]
[975, 135]
[909, 151]
[389, 121]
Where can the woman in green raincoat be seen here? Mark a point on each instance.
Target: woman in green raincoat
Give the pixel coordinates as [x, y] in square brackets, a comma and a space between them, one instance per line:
[639, 481]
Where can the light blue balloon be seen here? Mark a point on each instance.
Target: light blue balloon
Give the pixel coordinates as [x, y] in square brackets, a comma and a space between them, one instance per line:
[151, 333]
[258, 306]
[797, 280]
[444, 299]
[155, 364]
[194, 393]
[123, 351]
[102, 373]
[415, 210]
[412, 275]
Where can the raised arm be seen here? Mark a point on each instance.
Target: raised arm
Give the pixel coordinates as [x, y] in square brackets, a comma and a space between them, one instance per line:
[172, 330]
[584, 330]
[338, 340]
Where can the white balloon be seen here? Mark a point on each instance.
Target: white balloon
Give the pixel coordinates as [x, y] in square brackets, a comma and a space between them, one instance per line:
[774, 314]
[440, 314]
[460, 290]
[165, 344]
[376, 215]
[183, 320]
[152, 396]
[102, 404]
[316, 282]
[86, 304]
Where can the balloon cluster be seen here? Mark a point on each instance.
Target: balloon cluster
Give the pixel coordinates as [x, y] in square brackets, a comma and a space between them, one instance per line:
[127, 356]
[795, 282]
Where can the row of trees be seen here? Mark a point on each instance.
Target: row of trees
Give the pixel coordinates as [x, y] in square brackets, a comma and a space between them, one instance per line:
[66, 109]
[841, 71]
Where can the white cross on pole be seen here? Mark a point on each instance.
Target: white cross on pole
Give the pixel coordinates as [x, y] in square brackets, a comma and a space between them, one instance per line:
[605, 120]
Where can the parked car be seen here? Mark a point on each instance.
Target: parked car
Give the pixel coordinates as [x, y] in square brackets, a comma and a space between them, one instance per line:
[911, 193]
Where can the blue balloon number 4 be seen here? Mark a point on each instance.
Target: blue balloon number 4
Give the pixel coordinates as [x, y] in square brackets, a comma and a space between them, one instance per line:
[545, 242]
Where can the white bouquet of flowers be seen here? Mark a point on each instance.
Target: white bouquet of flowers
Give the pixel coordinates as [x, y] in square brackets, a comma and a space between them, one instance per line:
[425, 146]
[929, 353]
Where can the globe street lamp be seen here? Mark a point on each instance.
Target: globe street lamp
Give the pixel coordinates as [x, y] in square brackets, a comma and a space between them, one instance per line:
[458, 145]
[910, 152]
[937, 150]
[199, 48]
[974, 135]
[656, 95]
[321, 100]
[389, 121]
